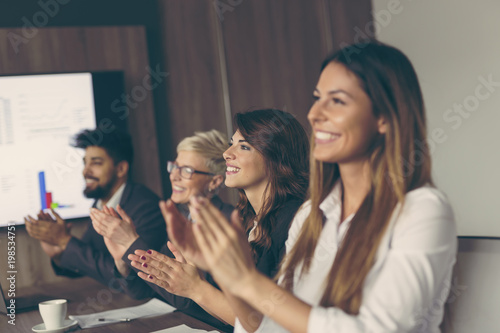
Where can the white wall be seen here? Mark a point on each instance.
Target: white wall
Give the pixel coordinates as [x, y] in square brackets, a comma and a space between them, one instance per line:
[455, 48]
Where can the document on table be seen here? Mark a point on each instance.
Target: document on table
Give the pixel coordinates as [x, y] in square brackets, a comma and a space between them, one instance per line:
[154, 307]
[183, 329]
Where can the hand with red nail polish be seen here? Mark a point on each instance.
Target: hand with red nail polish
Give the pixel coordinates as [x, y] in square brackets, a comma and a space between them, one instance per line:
[176, 276]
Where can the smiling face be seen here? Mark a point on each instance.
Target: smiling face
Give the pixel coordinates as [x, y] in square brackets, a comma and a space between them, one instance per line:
[102, 176]
[246, 167]
[199, 184]
[342, 119]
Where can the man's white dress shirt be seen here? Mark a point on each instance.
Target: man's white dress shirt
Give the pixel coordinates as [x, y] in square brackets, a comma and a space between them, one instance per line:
[114, 200]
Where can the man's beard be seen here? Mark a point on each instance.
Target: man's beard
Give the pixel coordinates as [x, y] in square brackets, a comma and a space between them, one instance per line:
[100, 192]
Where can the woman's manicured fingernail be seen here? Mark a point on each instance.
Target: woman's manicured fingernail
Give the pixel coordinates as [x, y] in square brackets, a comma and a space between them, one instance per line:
[150, 252]
[150, 276]
[144, 265]
[143, 258]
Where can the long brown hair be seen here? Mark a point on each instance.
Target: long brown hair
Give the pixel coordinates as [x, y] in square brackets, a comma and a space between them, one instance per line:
[399, 162]
[283, 143]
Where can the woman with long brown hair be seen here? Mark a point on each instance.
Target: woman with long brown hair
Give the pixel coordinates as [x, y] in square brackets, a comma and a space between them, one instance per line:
[373, 248]
[267, 161]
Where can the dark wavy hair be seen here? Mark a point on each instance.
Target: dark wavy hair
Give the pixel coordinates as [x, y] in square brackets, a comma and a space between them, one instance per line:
[284, 145]
[117, 144]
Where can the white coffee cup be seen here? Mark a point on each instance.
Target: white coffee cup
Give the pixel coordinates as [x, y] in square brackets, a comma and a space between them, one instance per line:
[53, 313]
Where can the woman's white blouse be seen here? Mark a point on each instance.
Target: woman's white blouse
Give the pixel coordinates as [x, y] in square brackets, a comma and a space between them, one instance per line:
[407, 287]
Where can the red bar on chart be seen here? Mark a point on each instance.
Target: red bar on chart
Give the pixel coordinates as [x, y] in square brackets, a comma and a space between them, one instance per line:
[48, 199]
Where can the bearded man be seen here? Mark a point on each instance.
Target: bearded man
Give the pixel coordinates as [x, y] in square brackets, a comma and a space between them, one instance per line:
[107, 163]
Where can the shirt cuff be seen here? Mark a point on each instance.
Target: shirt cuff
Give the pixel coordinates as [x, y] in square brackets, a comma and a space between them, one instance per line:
[118, 275]
[138, 244]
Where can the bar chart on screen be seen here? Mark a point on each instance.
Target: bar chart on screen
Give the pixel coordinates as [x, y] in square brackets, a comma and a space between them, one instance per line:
[46, 198]
[39, 115]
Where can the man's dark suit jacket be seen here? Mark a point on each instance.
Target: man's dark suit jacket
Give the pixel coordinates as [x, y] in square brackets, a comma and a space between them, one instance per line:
[89, 256]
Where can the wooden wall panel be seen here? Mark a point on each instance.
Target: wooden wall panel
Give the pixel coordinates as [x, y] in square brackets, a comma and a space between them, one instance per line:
[346, 18]
[131, 53]
[192, 59]
[274, 50]
[195, 89]
[86, 49]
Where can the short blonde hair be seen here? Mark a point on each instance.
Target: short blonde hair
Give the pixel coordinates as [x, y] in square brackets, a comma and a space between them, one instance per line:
[211, 145]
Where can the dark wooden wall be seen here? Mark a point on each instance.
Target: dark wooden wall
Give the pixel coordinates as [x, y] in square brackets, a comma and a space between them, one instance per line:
[226, 56]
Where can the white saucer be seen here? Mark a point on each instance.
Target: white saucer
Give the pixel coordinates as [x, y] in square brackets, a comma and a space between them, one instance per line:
[68, 323]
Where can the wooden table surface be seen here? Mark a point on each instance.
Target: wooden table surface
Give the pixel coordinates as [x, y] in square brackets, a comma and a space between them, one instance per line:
[88, 296]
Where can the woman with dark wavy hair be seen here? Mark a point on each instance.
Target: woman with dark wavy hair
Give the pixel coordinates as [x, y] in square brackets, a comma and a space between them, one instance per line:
[275, 183]
[374, 247]
[268, 162]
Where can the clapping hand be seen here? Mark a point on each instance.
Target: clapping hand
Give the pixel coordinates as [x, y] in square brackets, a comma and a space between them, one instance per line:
[224, 245]
[180, 232]
[176, 276]
[46, 229]
[114, 225]
[118, 232]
